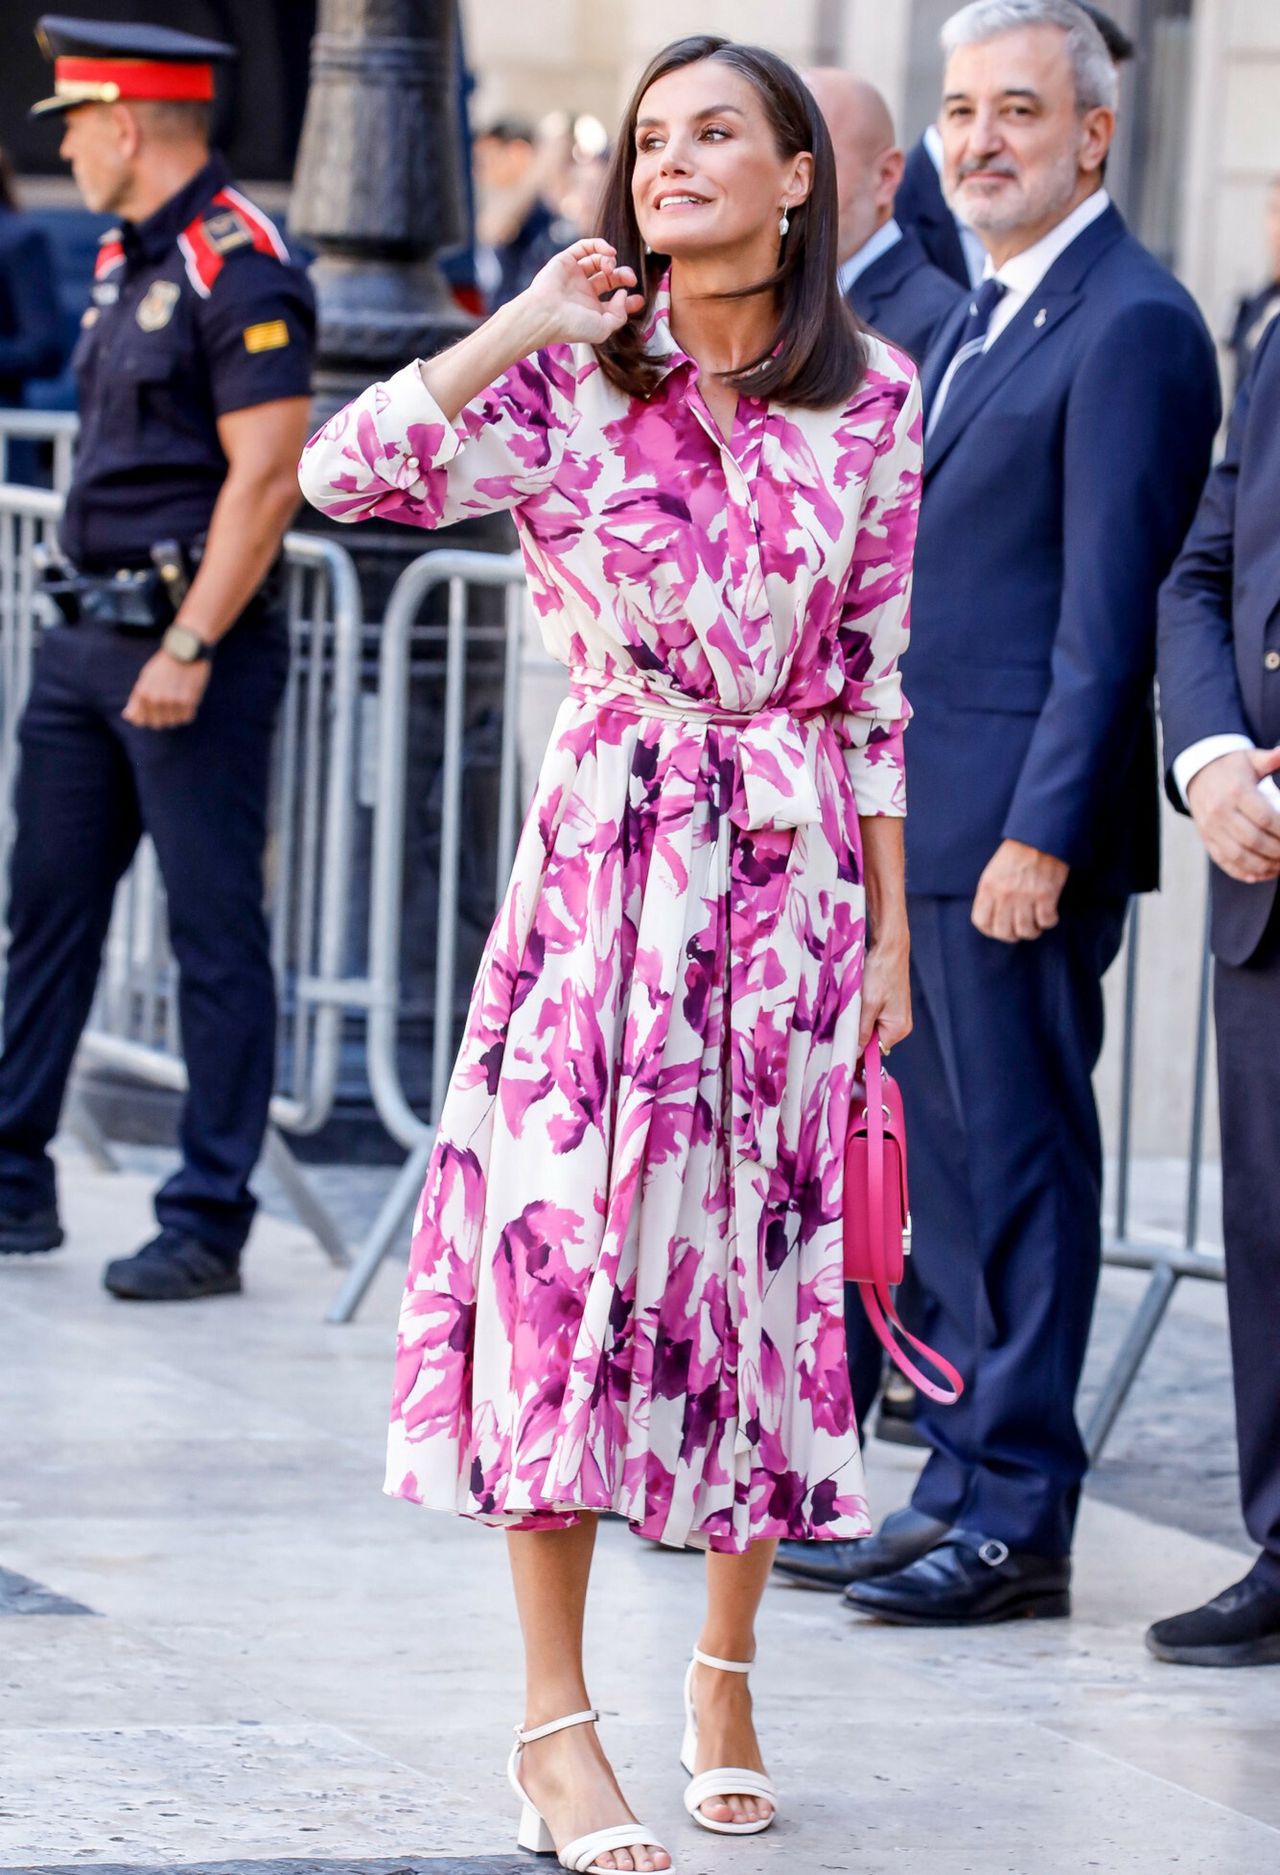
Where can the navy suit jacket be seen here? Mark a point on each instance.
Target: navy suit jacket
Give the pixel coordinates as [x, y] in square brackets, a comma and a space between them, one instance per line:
[1220, 620]
[921, 208]
[904, 297]
[1058, 485]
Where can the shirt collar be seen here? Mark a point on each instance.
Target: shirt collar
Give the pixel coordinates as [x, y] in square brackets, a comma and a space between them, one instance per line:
[1023, 274]
[150, 240]
[661, 348]
[881, 241]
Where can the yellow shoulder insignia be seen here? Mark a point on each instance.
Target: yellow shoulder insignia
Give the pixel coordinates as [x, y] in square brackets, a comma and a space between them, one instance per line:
[269, 336]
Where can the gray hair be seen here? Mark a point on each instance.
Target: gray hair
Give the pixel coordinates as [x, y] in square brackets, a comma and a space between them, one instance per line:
[1091, 64]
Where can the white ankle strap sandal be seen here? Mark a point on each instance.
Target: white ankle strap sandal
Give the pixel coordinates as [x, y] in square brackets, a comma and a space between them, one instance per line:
[580, 1854]
[725, 1780]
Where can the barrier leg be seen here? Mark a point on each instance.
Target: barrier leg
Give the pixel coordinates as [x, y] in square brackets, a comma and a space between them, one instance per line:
[1124, 1369]
[78, 1120]
[389, 1225]
[311, 1213]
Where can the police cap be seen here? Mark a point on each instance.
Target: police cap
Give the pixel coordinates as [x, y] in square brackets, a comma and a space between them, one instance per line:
[108, 62]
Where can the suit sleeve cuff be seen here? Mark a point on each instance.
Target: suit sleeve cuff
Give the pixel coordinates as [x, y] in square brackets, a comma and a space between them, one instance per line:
[1199, 755]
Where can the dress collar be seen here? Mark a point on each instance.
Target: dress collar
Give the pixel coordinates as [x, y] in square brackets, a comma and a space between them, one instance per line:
[661, 347]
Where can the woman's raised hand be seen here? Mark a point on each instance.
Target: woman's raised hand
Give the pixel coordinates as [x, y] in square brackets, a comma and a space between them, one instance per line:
[582, 295]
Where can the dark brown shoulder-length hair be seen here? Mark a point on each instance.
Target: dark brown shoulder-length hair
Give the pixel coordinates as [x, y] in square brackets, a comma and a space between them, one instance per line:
[816, 356]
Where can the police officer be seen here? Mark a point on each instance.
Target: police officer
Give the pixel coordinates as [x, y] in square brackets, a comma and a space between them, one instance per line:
[154, 700]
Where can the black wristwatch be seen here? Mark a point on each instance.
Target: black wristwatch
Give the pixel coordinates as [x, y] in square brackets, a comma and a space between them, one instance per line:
[185, 645]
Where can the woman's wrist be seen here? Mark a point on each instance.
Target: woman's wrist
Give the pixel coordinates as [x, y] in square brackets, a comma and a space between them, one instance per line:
[522, 327]
[889, 934]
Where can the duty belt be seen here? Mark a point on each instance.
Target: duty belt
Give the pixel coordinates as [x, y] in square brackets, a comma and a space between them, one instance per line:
[142, 599]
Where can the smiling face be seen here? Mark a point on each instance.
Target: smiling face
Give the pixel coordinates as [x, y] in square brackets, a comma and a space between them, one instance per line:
[1018, 153]
[708, 178]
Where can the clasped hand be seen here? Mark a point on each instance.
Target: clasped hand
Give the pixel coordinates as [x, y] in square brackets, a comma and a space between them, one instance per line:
[1018, 893]
[1239, 827]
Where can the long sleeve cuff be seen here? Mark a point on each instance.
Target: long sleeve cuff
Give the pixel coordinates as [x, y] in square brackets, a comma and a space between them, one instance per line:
[1199, 755]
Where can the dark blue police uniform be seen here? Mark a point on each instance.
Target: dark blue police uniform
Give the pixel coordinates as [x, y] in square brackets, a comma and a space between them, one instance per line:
[196, 312]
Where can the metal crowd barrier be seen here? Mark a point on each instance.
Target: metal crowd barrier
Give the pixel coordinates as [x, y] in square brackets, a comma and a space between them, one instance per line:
[54, 430]
[1167, 1264]
[459, 573]
[133, 1027]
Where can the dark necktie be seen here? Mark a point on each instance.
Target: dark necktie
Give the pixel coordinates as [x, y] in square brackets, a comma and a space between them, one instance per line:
[972, 337]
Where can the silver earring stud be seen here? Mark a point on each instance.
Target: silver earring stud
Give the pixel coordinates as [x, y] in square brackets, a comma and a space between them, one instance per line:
[784, 223]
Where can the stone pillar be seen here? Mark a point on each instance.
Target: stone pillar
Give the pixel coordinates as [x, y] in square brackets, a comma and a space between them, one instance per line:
[377, 192]
[377, 189]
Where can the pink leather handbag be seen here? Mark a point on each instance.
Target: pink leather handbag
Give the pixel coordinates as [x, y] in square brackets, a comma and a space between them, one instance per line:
[877, 1219]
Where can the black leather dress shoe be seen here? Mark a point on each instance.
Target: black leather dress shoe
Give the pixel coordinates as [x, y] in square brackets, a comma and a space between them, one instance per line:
[27, 1236]
[967, 1580]
[1239, 1628]
[173, 1268]
[904, 1535]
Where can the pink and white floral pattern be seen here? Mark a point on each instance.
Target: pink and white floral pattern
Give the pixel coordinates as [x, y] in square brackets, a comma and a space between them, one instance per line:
[624, 1289]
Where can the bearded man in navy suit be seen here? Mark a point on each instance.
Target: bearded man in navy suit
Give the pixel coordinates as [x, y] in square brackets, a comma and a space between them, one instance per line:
[922, 208]
[885, 273]
[1071, 402]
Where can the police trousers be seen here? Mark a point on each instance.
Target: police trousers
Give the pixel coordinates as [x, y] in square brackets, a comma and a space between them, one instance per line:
[89, 785]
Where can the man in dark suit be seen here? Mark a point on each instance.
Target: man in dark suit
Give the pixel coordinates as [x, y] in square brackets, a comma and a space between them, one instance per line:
[1071, 403]
[1220, 707]
[886, 275]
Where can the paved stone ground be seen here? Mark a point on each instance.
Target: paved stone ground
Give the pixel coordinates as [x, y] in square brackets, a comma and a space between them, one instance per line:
[280, 1671]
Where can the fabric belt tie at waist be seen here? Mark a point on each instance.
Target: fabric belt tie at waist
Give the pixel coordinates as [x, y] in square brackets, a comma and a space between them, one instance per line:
[780, 796]
[778, 786]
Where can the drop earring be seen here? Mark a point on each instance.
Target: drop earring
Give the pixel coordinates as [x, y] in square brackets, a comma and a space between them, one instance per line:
[784, 222]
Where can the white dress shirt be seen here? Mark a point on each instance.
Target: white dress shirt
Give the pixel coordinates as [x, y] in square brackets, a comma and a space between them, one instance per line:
[884, 238]
[974, 252]
[1021, 276]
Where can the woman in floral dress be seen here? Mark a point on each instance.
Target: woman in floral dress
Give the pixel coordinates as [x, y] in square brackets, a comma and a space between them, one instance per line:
[624, 1289]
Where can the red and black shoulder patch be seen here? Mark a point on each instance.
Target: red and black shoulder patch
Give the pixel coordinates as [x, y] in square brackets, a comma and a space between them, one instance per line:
[110, 254]
[230, 222]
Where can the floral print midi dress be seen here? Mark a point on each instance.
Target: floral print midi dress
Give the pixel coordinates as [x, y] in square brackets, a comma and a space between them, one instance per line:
[625, 1286]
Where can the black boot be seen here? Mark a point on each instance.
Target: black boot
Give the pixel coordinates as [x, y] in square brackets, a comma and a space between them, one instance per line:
[173, 1268]
[28, 1235]
[1239, 1628]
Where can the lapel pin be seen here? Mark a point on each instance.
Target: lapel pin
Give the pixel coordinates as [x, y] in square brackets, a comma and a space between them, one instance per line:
[1040, 317]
